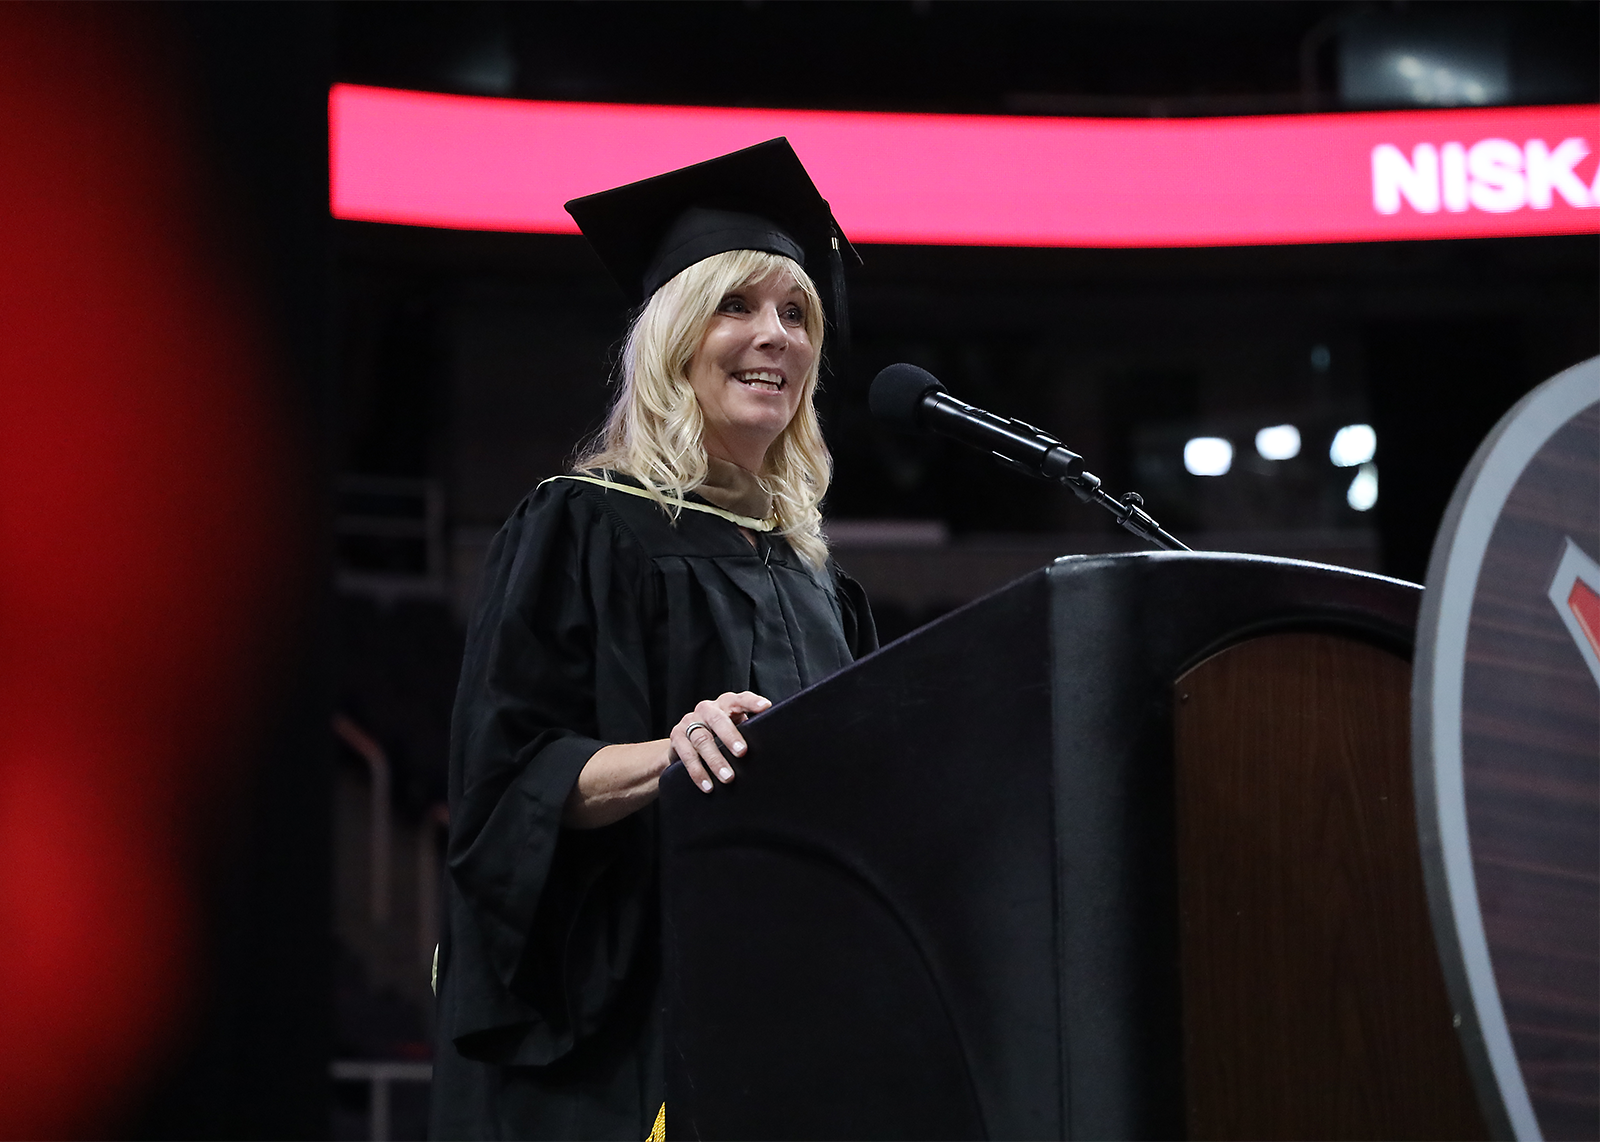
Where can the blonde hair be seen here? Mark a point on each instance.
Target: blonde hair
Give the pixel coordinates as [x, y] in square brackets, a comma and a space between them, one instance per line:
[655, 426]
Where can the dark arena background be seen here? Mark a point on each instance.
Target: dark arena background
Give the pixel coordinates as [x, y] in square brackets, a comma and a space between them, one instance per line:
[385, 394]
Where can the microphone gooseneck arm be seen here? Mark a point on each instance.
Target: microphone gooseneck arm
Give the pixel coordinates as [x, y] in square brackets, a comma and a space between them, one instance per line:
[1036, 453]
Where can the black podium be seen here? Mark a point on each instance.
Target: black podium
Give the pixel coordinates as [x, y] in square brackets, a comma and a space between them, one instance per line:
[1123, 850]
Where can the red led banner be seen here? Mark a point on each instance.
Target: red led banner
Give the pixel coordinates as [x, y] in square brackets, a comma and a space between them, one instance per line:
[497, 164]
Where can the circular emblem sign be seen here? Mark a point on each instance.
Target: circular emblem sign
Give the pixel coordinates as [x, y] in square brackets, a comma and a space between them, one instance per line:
[1506, 748]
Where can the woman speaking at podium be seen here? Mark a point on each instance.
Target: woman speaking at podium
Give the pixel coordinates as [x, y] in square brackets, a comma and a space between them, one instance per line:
[634, 612]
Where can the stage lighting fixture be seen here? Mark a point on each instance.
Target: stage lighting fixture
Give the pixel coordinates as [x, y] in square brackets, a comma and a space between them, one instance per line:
[1280, 442]
[1353, 444]
[1208, 456]
[1363, 491]
[1428, 57]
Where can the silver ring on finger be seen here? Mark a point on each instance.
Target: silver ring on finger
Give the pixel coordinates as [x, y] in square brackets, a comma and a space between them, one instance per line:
[688, 730]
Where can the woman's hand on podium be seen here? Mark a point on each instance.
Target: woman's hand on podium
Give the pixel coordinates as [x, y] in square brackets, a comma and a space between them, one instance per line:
[701, 736]
[622, 779]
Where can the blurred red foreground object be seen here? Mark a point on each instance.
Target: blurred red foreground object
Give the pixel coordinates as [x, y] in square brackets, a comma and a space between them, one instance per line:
[143, 547]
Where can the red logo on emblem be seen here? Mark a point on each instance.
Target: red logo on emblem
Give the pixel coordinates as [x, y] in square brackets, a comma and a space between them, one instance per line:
[1575, 593]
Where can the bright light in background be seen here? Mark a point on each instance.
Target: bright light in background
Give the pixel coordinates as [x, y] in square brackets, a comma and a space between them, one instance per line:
[1208, 456]
[1280, 442]
[1363, 491]
[1387, 60]
[1431, 81]
[1353, 444]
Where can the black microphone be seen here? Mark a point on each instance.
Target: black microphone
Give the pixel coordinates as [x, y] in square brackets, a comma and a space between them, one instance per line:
[913, 398]
[909, 397]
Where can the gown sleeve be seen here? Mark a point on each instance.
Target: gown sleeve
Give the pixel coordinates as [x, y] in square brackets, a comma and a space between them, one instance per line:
[860, 632]
[546, 925]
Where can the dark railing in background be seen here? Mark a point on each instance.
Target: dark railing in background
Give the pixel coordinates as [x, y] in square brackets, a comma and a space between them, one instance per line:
[380, 1076]
[389, 534]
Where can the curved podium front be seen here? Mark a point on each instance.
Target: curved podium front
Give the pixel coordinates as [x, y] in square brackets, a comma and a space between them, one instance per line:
[1124, 850]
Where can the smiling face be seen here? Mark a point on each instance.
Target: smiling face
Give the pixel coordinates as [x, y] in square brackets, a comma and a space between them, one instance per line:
[750, 372]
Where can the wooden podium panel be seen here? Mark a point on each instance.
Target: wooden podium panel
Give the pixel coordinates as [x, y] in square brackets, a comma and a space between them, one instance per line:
[1313, 1001]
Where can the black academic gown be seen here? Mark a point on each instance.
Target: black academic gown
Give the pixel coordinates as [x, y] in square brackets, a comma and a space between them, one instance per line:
[601, 620]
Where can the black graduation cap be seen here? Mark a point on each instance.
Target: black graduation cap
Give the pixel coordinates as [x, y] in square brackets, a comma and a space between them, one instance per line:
[760, 198]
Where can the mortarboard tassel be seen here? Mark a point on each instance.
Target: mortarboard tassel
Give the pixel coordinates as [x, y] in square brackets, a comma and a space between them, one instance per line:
[841, 303]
